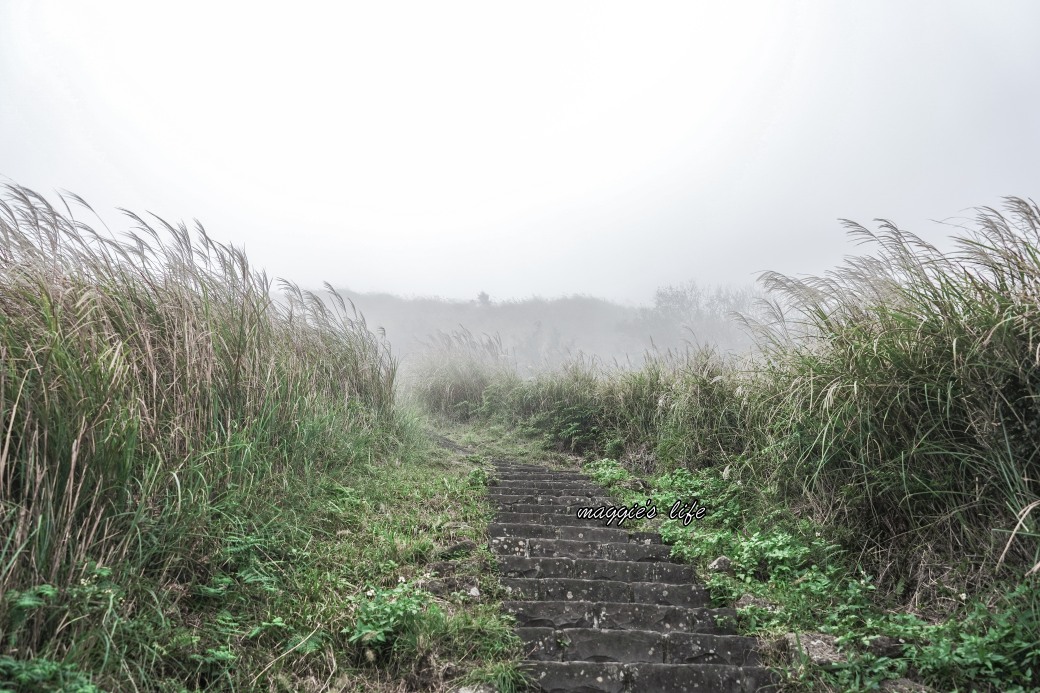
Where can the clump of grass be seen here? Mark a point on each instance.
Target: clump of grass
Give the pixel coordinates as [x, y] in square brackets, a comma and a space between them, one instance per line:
[910, 408]
[455, 371]
[709, 414]
[151, 391]
[678, 408]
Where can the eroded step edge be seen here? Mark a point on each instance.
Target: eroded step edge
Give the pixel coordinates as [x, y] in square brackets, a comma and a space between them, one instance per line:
[560, 614]
[601, 645]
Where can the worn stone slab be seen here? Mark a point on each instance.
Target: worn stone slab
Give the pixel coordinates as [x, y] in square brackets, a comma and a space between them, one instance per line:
[592, 532]
[525, 530]
[704, 648]
[605, 645]
[526, 466]
[688, 595]
[634, 616]
[585, 495]
[522, 589]
[567, 490]
[507, 500]
[601, 569]
[540, 518]
[675, 573]
[614, 677]
[597, 645]
[522, 566]
[583, 492]
[583, 568]
[509, 546]
[636, 552]
[541, 476]
[565, 548]
[541, 644]
[550, 485]
[685, 678]
[620, 616]
[542, 509]
[578, 677]
[625, 571]
[572, 589]
[529, 527]
[568, 548]
[553, 614]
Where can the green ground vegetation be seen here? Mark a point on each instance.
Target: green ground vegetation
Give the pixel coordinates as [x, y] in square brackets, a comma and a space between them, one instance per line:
[792, 574]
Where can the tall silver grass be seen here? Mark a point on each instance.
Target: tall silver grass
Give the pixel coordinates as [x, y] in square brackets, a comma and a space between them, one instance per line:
[141, 377]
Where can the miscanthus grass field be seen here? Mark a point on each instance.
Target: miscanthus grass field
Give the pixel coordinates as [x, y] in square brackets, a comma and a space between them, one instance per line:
[212, 482]
[206, 488]
[873, 465]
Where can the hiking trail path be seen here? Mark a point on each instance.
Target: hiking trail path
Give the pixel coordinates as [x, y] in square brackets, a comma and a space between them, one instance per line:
[604, 609]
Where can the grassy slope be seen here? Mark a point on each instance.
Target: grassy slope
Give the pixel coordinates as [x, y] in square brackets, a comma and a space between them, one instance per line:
[203, 488]
[885, 440]
[320, 583]
[794, 576]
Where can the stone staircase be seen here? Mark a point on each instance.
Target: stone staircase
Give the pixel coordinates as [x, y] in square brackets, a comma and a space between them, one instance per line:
[602, 609]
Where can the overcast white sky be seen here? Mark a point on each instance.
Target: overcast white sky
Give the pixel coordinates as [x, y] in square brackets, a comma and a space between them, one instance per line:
[548, 148]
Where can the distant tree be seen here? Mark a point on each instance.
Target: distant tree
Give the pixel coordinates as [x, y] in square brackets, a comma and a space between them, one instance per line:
[483, 298]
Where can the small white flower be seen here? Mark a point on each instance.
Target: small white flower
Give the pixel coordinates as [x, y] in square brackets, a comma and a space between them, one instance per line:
[400, 578]
[370, 593]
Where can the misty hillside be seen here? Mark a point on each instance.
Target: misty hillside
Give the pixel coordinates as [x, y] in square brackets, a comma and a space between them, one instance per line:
[543, 332]
[584, 347]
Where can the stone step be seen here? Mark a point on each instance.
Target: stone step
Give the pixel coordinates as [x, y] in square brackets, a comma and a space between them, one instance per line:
[583, 501]
[540, 531]
[602, 608]
[641, 677]
[700, 677]
[596, 569]
[599, 645]
[558, 519]
[571, 509]
[569, 548]
[527, 484]
[541, 476]
[534, 467]
[575, 589]
[621, 616]
[528, 491]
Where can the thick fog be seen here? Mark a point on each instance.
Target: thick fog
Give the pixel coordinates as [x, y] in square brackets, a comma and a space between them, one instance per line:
[534, 334]
[535, 149]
